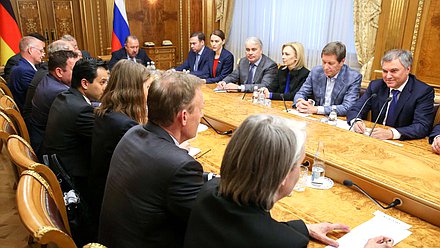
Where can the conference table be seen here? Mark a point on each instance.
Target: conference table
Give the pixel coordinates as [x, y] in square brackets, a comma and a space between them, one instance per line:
[407, 170]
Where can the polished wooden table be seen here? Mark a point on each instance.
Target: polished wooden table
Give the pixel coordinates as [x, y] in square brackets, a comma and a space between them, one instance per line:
[409, 172]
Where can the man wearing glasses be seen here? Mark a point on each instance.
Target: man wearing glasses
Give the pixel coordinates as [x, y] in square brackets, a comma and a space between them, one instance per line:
[32, 52]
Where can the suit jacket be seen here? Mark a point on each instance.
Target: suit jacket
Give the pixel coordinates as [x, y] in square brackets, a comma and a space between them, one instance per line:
[12, 61]
[224, 67]
[21, 76]
[264, 74]
[45, 94]
[141, 57]
[69, 131]
[150, 190]
[202, 70]
[344, 94]
[217, 221]
[107, 132]
[414, 112]
[27, 107]
[297, 78]
[434, 133]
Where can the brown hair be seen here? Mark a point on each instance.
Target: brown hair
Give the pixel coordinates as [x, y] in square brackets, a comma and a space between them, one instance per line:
[259, 156]
[335, 48]
[169, 94]
[125, 91]
[219, 33]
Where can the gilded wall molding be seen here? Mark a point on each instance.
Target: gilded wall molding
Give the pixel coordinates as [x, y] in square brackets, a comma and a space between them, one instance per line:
[98, 11]
[417, 25]
[395, 23]
[181, 28]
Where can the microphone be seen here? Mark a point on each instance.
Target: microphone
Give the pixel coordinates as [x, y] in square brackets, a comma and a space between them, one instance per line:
[380, 112]
[217, 131]
[360, 111]
[284, 101]
[396, 202]
[242, 98]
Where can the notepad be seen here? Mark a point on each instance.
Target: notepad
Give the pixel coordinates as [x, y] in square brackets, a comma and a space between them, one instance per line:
[380, 224]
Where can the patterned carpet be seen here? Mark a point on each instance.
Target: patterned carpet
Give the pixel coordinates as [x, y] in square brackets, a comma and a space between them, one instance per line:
[12, 232]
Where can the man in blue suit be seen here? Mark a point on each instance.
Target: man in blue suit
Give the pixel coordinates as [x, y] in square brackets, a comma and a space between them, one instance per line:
[32, 52]
[198, 57]
[131, 52]
[434, 138]
[332, 84]
[408, 103]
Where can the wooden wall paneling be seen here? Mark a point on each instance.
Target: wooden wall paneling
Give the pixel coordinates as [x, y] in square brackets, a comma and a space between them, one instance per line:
[61, 19]
[30, 18]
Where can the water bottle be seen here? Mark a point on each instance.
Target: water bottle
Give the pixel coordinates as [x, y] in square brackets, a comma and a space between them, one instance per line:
[261, 97]
[255, 95]
[153, 66]
[333, 117]
[148, 65]
[318, 169]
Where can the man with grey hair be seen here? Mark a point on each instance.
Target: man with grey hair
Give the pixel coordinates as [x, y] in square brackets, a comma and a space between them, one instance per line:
[81, 53]
[404, 103]
[256, 69]
[151, 202]
[330, 85]
[58, 45]
[32, 52]
[131, 52]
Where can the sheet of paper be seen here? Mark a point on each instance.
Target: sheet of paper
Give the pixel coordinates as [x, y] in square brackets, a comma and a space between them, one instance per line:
[295, 112]
[380, 224]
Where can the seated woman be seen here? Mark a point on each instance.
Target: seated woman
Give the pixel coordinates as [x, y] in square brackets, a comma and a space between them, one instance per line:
[123, 105]
[223, 60]
[234, 211]
[291, 75]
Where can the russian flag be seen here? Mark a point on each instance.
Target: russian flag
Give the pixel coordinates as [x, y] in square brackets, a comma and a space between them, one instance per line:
[120, 25]
[10, 34]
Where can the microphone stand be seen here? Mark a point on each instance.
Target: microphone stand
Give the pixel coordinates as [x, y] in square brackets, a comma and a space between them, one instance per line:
[380, 112]
[362, 108]
[217, 131]
[284, 102]
[350, 183]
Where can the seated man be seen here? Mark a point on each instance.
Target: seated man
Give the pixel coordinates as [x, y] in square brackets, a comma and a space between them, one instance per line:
[256, 69]
[152, 183]
[81, 53]
[32, 52]
[13, 61]
[71, 120]
[131, 52]
[434, 139]
[407, 103]
[332, 84]
[198, 57]
[61, 64]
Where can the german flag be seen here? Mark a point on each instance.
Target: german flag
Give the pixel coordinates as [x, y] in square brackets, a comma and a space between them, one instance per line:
[9, 32]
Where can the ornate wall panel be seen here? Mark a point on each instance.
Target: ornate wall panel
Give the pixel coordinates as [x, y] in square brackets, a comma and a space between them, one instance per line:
[29, 16]
[63, 18]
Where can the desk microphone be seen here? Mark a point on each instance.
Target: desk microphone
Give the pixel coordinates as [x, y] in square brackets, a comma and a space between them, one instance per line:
[360, 111]
[217, 131]
[396, 202]
[284, 101]
[377, 119]
[242, 98]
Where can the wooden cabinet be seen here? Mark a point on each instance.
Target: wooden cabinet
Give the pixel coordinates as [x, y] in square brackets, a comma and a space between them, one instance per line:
[163, 56]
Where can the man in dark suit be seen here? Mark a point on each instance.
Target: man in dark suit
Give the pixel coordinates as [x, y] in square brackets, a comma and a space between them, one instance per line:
[131, 52]
[71, 119]
[152, 182]
[408, 103]
[13, 61]
[32, 52]
[434, 139]
[331, 84]
[61, 64]
[198, 57]
[256, 69]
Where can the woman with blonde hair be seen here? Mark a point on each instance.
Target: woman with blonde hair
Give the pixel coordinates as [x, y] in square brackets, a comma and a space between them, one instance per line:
[291, 75]
[123, 105]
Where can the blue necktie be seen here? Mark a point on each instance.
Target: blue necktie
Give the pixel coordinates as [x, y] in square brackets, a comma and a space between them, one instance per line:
[287, 89]
[250, 79]
[196, 64]
[392, 108]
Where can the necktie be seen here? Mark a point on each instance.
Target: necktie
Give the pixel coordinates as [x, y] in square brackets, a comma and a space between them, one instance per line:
[250, 79]
[287, 89]
[392, 108]
[196, 64]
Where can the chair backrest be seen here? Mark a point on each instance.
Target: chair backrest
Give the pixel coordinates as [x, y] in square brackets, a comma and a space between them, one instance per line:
[8, 106]
[38, 207]
[6, 127]
[21, 153]
[5, 87]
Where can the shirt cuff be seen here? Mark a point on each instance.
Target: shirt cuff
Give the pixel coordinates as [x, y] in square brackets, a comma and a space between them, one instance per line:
[396, 134]
[321, 110]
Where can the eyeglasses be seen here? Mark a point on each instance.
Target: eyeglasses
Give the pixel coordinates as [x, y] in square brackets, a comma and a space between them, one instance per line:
[40, 50]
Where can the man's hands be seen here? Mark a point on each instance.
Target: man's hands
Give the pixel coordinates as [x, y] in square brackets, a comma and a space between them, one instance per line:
[306, 107]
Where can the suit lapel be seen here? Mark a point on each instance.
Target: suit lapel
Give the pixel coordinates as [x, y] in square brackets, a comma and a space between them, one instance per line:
[322, 86]
[403, 98]
[382, 98]
[339, 85]
[259, 69]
